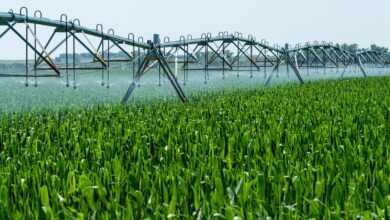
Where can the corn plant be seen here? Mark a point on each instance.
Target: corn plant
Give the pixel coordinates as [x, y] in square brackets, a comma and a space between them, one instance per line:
[321, 150]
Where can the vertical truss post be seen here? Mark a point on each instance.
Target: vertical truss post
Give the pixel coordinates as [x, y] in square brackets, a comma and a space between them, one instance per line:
[110, 31]
[251, 65]
[159, 75]
[103, 83]
[206, 59]
[108, 64]
[185, 64]
[183, 40]
[206, 64]
[176, 62]
[325, 59]
[166, 39]
[64, 18]
[26, 41]
[277, 67]
[139, 62]
[337, 61]
[265, 63]
[307, 63]
[287, 66]
[238, 57]
[223, 62]
[99, 27]
[35, 58]
[279, 59]
[74, 63]
[36, 14]
[133, 50]
[74, 52]
[208, 53]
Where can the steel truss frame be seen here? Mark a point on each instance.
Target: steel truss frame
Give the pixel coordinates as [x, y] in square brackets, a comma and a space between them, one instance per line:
[224, 52]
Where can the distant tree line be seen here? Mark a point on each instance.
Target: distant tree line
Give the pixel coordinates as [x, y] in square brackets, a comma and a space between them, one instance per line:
[379, 49]
[86, 57]
[353, 48]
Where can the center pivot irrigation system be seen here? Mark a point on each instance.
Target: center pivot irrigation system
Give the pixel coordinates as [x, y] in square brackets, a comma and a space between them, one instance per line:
[224, 52]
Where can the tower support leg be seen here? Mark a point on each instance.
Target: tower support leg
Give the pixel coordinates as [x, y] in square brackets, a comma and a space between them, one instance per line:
[155, 54]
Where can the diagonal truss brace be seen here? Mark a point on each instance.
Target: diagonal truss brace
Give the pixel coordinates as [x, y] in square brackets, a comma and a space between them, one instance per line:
[244, 53]
[217, 53]
[44, 51]
[52, 66]
[96, 56]
[6, 30]
[329, 56]
[317, 56]
[263, 54]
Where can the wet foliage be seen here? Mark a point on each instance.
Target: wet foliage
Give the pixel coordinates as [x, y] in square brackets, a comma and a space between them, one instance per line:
[320, 150]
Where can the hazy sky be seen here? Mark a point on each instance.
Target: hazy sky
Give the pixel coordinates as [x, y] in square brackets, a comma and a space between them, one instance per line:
[279, 21]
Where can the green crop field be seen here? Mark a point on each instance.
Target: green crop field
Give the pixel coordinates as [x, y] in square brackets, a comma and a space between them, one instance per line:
[320, 150]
